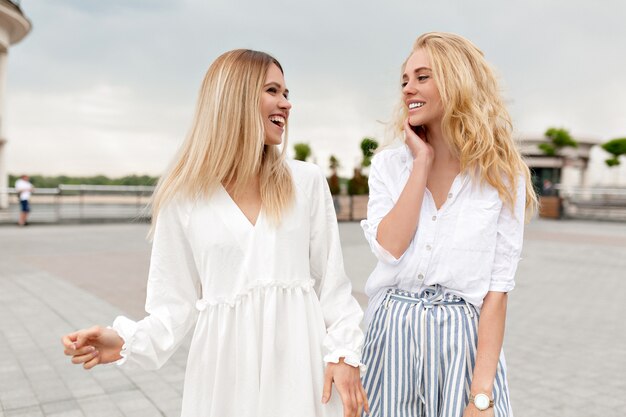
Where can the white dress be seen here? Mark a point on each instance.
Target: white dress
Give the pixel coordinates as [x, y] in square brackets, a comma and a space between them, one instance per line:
[269, 304]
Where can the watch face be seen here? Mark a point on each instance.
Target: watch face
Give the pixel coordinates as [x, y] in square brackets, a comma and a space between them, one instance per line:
[481, 401]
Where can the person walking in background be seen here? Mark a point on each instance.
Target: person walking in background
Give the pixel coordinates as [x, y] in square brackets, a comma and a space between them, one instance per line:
[246, 251]
[24, 190]
[445, 220]
[548, 189]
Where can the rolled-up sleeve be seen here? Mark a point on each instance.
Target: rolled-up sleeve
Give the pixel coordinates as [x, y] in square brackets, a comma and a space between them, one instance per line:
[172, 292]
[379, 205]
[342, 313]
[509, 240]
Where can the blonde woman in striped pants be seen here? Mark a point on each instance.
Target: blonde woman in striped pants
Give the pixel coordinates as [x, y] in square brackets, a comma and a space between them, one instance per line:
[445, 220]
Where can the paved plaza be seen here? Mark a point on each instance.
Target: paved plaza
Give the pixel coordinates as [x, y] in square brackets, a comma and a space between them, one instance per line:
[565, 340]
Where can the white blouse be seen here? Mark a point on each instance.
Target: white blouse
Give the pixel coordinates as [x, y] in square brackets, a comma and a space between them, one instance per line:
[269, 305]
[470, 246]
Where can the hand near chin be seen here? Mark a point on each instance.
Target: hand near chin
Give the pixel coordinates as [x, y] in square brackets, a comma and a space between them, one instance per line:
[420, 149]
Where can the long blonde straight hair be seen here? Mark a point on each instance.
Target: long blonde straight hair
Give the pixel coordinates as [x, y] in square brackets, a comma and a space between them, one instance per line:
[475, 123]
[225, 144]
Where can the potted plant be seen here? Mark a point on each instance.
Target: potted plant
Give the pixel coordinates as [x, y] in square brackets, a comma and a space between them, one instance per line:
[550, 204]
[357, 185]
[333, 181]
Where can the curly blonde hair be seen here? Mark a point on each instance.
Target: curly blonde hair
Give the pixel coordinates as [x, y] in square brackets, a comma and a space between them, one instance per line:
[475, 123]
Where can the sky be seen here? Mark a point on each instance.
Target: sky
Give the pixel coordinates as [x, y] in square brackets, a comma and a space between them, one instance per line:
[110, 87]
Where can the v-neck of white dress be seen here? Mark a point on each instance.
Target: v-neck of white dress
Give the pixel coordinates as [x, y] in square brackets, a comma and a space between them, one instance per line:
[242, 218]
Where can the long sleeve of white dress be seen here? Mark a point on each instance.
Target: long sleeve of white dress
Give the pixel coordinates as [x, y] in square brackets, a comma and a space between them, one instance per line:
[342, 313]
[172, 292]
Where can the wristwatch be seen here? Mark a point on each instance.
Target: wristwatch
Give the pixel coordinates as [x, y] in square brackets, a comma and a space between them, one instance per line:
[481, 401]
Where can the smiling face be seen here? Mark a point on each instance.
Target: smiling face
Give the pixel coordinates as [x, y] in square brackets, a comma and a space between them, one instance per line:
[420, 92]
[274, 105]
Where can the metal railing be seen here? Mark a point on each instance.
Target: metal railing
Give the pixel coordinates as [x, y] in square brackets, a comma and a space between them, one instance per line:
[101, 203]
[83, 203]
[594, 203]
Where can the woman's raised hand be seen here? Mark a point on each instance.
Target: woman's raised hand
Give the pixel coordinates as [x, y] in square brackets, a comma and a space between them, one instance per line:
[93, 346]
[419, 147]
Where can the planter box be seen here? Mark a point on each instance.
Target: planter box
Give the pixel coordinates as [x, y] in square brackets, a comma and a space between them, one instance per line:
[359, 207]
[550, 207]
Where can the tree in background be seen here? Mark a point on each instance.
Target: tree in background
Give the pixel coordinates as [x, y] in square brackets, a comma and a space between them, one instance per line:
[302, 150]
[616, 147]
[357, 185]
[558, 138]
[40, 181]
[333, 180]
[368, 146]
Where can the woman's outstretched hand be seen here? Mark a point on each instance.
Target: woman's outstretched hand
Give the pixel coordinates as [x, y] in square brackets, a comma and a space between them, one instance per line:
[93, 346]
[420, 148]
[347, 380]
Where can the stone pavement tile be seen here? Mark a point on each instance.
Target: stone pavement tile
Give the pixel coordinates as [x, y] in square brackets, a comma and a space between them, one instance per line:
[50, 390]
[69, 413]
[61, 407]
[112, 380]
[13, 399]
[599, 410]
[33, 411]
[174, 374]
[84, 388]
[134, 403]
[39, 370]
[613, 400]
[78, 381]
[163, 398]
[99, 406]
[13, 381]
[158, 390]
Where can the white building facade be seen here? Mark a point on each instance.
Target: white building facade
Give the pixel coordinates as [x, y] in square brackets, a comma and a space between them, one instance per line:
[14, 26]
[583, 166]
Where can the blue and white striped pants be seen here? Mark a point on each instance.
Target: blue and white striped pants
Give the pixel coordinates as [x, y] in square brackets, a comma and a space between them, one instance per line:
[420, 351]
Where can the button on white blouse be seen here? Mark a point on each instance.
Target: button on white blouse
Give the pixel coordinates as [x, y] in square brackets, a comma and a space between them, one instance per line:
[470, 246]
[267, 304]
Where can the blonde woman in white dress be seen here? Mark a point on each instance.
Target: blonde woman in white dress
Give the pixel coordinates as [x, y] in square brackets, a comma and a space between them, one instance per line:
[246, 251]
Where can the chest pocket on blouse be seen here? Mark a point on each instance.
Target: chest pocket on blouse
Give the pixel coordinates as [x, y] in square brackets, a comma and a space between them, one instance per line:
[476, 226]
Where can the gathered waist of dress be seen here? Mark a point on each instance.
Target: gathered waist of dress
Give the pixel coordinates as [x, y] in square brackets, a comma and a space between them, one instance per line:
[294, 284]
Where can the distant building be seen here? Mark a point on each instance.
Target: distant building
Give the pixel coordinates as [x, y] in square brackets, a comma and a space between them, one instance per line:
[14, 26]
[572, 168]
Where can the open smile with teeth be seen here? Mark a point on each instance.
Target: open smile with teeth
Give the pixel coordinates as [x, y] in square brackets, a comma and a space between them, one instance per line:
[278, 121]
[416, 105]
